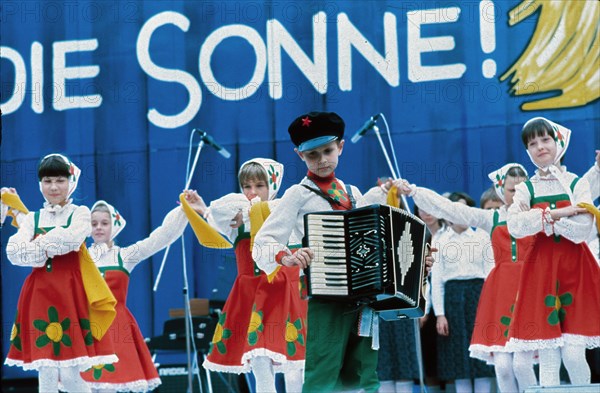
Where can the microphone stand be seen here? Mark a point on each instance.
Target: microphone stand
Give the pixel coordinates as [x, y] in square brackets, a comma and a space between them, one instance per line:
[186, 298]
[396, 175]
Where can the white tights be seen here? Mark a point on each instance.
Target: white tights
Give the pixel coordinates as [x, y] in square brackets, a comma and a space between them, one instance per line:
[294, 380]
[481, 385]
[573, 356]
[514, 372]
[262, 367]
[69, 377]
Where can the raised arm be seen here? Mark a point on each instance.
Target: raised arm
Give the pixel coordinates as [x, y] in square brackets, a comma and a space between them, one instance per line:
[455, 212]
[171, 229]
[222, 211]
[592, 176]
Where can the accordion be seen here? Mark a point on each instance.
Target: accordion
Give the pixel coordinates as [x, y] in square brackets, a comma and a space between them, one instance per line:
[373, 255]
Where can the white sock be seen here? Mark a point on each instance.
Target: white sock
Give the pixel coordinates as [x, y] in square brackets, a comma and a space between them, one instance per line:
[72, 381]
[463, 386]
[404, 386]
[483, 385]
[386, 387]
[293, 381]
[523, 368]
[262, 367]
[573, 356]
[503, 366]
[549, 367]
[48, 380]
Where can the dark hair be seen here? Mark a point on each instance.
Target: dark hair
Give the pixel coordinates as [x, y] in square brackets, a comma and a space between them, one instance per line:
[489, 195]
[53, 166]
[516, 171]
[536, 127]
[457, 196]
[440, 221]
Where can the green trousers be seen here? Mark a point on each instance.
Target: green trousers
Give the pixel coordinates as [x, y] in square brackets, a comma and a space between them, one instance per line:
[336, 357]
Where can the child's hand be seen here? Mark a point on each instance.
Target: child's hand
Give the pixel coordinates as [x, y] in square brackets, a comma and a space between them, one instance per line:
[196, 202]
[9, 190]
[567, 211]
[301, 258]
[429, 260]
[441, 326]
[238, 220]
[403, 187]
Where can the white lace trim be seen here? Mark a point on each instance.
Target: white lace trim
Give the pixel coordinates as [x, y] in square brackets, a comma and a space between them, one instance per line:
[241, 369]
[281, 362]
[83, 363]
[141, 385]
[518, 345]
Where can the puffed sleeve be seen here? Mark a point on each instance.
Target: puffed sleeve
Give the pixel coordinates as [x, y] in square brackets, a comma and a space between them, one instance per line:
[455, 212]
[221, 211]
[577, 228]
[22, 249]
[275, 233]
[375, 195]
[171, 229]
[592, 176]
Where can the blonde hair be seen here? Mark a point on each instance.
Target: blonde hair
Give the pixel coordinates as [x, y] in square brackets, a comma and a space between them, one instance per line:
[252, 171]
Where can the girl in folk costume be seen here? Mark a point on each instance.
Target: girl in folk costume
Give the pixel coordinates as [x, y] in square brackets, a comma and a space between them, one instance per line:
[135, 370]
[500, 287]
[456, 282]
[64, 308]
[263, 324]
[560, 280]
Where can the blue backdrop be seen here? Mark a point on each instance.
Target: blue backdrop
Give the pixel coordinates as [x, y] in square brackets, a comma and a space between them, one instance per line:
[118, 86]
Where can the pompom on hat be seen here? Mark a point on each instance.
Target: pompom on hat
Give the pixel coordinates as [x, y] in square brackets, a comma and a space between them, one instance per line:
[315, 129]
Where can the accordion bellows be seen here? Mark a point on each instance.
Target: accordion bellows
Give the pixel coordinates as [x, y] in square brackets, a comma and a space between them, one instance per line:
[373, 255]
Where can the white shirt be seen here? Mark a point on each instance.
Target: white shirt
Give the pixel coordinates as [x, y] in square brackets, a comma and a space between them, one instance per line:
[171, 229]
[23, 250]
[460, 256]
[286, 222]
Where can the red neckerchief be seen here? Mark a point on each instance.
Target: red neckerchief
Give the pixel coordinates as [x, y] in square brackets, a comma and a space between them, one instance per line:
[331, 187]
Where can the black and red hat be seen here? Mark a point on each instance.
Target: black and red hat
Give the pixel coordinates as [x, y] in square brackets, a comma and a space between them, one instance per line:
[315, 129]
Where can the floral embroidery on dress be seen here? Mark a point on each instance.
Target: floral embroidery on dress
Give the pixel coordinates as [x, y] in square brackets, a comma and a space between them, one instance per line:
[293, 335]
[505, 320]
[221, 333]
[54, 331]
[15, 334]
[255, 325]
[99, 368]
[558, 314]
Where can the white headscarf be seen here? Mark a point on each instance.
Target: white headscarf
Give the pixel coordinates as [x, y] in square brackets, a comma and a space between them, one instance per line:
[498, 177]
[74, 171]
[116, 219]
[562, 137]
[274, 172]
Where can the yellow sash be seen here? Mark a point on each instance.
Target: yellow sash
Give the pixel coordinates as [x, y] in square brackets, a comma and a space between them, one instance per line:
[13, 201]
[593, 210]
[207, 235]
[100, 299]
[258, 214]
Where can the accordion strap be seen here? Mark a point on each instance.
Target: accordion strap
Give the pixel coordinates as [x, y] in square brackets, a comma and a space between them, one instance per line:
[329, 199]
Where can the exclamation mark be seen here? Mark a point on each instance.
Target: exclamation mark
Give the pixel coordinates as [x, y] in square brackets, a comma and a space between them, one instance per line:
[487, 27]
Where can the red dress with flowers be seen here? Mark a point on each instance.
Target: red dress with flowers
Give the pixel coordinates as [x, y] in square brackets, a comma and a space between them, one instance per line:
[135, 371]
[52, 326]
[260, 318]
[558, 301]
[498, 294]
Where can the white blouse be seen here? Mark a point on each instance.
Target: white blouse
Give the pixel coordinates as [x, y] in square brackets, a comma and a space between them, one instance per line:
[285, 225]
[525, 221]
[23, 250]
[460, 256]
[171, 229]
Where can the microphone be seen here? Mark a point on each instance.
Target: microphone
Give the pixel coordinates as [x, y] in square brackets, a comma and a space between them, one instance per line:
[210, 141]
[370, 123]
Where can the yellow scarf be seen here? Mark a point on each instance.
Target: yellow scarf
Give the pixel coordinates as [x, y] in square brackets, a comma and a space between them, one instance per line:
[207, 236]
[14, 202]
[593, 210]
[100, 299]
[258, 214]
